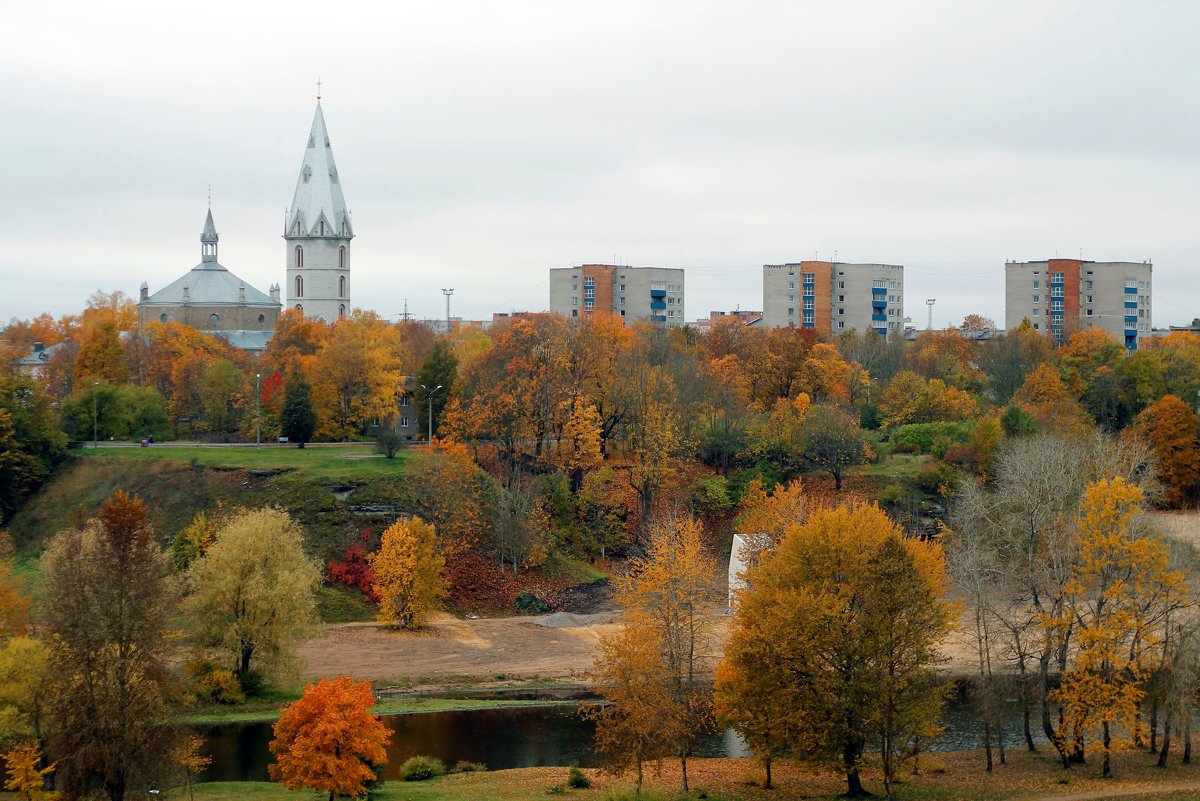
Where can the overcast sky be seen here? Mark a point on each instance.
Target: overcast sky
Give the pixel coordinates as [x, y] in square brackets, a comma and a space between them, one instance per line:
[481, 143]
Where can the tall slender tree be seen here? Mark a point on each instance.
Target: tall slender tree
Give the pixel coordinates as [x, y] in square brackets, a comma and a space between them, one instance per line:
[297, 419]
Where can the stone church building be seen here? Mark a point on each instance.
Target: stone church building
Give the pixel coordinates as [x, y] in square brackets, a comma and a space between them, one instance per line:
[317, 232]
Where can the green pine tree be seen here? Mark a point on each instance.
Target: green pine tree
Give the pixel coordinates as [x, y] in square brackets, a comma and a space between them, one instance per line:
[439, 369]
[297, 419]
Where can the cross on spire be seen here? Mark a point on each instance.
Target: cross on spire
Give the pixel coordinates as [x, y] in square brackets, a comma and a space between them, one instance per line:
[318, 88]
[210, 196]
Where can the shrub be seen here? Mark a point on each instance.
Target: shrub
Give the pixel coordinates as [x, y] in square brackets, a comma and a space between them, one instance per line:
[938, 478]
[213, 684]
[419, 768]
[354, 570]
[526, 603]
[388, 443]
[557, 789]
[922, 436]
[463, 766]
[578, 780]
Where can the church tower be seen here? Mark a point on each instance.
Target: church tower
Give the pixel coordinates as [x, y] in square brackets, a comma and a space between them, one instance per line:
[318, 233]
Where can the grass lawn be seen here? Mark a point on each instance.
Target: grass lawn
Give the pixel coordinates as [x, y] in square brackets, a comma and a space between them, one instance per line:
[255, 712]
[896, 465]
[349, 463]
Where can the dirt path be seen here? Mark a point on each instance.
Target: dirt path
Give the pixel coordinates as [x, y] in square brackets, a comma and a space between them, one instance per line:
[1157, 790]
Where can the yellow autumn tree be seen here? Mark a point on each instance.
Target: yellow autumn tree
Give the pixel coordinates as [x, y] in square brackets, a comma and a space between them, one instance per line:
[764, 518]
[1046, 398]
[581, 436]
[25, 778]
[408, 573]
[1119, 579]
[24, 690]
[654, 672]
[858, 610]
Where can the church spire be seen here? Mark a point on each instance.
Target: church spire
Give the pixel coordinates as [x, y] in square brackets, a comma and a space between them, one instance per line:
[318, 206]
[208, 240]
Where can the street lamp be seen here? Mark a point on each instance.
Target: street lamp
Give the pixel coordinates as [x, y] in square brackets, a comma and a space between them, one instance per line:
[429, 394]
[257, 417]
[95, 392]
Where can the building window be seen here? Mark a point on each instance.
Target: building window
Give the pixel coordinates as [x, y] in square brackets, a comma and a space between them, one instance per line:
[1089, 298]
[342, 257]
[841, 298]
[1037, 284]
[792, 312]
[841, 311]
[404, 422]
[1037, 312]
[322, 227]
[841, 284]
[299, 257]
[1087, 285]
[622, 298]
[575, 312]
[404, 400]
[299, 286]
[841, 324]
[214, 319]
[589, 280]
[342, 310]
[791, 284]
[588, 292]
[262, 318]
[299, 307]
[162, 318]
[1036, 327]
[1037, 298]
[342, 284]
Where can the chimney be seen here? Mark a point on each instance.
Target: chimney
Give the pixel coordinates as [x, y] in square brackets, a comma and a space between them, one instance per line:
[145, 295]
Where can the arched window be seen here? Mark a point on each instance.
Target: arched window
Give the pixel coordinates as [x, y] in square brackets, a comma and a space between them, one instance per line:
[342, 310]
[299, 257]
[299, 286]
[262, 318]
[322, 224]
[342, 257]
[299, 307]
[341, 286]
[162, 318]
[214, 319]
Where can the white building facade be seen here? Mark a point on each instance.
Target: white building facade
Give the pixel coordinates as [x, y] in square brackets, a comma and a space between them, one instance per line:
[636, 294]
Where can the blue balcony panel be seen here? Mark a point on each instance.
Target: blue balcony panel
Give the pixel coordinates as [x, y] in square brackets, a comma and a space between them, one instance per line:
[1131, 304]
[1131, 290]
[879, 318]
[1131, 319]
[879, 303]
[878, 290]
[657, 304]
[658, 293]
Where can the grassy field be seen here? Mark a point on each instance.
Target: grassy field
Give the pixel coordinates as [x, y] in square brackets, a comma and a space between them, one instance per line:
[958, 777]
[348, 463]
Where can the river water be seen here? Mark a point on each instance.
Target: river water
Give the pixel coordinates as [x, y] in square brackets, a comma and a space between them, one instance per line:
[516, 737]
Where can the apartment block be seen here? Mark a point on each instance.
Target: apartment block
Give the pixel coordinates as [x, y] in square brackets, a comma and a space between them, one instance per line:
[637, 294]
[833, 297]
[1060, 296]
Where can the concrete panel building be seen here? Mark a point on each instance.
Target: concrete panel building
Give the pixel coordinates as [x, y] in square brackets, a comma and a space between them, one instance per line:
[636, 294]
[1060, 296]
[834, 297]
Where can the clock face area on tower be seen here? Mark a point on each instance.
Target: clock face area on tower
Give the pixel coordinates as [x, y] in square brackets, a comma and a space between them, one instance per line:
[317, 232]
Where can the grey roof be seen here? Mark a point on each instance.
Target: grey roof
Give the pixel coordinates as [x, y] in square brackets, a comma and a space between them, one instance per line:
[318, 188]
[210, 231]
[39, 357]
[246, 340]
[209, 283]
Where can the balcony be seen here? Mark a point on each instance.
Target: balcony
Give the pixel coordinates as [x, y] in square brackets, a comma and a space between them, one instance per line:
[658, 293]
[879, 290]
[1131, 304]
[1131, 290]
[879, 318]
[879, 303]
[658, 304]
[1131, 319]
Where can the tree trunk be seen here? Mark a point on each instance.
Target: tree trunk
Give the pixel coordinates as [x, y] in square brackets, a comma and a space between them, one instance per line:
[683, 768]
[1154, 726]
[244, 663]
[987, 742]
[837, 480]
[1187, 737]
[1000, 744]
[1107, 772]
[115, 787]
[854, 788]
[1166, 745]
[767, 765]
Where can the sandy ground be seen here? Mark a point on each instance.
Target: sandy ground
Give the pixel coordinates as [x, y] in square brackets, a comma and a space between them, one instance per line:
[451, 648]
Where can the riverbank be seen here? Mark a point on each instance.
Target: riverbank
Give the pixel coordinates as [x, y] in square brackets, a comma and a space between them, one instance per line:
[944, 777]
[269, 711]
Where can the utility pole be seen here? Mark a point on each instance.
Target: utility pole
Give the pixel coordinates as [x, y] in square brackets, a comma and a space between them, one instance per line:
[929, 302]
[257, 416]
[447, 293]
[429, 394]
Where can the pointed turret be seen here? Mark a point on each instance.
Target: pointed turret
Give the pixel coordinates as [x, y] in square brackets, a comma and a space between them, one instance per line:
[208, 240]
[318, 198]
[318, 232]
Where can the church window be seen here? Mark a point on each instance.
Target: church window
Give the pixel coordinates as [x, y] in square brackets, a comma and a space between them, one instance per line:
[342, 281]
[342, 265]
[322, 226]
[299, 286]
[299, 307]
[307, 174]
[299, 257]
[214, 319]
[262, 318]
[162, 318]
[342, 310]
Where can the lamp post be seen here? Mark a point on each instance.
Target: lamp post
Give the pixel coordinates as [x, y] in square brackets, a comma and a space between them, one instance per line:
[429, 394]
[95, 437]
[929, 302]
[257, 416]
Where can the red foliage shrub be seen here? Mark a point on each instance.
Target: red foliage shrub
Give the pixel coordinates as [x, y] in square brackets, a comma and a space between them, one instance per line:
[353, 570]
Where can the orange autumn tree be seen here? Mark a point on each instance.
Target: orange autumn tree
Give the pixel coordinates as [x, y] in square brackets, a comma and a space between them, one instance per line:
[408, 573]
[1172, 426]
[14, 606]
[25, 777]
[329, 740]
[1047, 399]
[1119, 581]
[764, 518]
